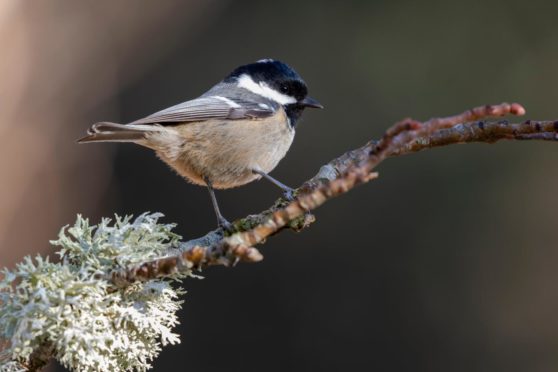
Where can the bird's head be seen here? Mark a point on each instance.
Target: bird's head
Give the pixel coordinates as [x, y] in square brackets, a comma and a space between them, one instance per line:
[275, 81]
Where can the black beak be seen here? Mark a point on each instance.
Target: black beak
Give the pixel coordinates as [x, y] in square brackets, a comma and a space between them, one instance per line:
[311, 102]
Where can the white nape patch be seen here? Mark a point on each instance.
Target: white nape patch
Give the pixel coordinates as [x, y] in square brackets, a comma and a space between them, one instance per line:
[264, 106]
[264, 90]
[227, 101]
[265, 60]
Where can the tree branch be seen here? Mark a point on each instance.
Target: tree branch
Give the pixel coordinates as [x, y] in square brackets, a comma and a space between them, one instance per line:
[335, 178]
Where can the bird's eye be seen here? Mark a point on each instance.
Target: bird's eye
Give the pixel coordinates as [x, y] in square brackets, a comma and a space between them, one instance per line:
[284, 88]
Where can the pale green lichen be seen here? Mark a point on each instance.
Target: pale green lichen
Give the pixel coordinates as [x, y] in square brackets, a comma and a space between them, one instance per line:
[7, 365]
[91, 324]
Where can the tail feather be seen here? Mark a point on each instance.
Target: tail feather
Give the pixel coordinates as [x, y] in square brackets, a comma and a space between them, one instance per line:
[114, 132]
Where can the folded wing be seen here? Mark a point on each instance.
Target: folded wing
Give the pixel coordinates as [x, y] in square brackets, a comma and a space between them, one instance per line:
[205, 108]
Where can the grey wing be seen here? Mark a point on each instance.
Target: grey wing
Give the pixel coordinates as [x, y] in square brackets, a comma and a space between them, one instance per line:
[209, 107]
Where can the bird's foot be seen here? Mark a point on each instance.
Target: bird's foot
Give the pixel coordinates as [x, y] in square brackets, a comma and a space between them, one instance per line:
[224, 224]
[288, 194]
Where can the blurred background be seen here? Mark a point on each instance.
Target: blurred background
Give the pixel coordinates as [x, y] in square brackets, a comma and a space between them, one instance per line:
[446, 263]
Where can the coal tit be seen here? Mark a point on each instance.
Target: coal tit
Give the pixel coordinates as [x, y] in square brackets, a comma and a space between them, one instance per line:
[233, 134]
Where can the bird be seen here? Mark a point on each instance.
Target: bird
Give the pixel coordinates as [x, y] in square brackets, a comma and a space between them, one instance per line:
[235, 133]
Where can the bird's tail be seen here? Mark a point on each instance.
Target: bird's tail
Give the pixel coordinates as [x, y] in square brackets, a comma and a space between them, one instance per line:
[113, 132]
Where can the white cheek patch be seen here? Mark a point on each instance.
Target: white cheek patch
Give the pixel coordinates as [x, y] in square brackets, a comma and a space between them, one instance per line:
[264, 90]
[227, 101]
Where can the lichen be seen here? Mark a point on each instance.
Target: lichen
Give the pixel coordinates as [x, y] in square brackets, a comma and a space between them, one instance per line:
[91, 324]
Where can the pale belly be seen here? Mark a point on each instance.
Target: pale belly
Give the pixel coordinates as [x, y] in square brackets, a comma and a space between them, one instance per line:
[224, 152]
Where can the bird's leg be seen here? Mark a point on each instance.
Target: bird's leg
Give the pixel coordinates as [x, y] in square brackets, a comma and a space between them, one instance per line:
[288, 193]
[221, 221]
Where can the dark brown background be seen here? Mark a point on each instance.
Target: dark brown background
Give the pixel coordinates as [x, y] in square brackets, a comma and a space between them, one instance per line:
[446, 263]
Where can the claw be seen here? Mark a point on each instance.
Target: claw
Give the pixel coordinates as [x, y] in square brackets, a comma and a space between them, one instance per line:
[225, 225]
[289, 194]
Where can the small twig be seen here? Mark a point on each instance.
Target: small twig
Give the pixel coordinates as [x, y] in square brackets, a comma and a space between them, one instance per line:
[337, 177]
[39, 358]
